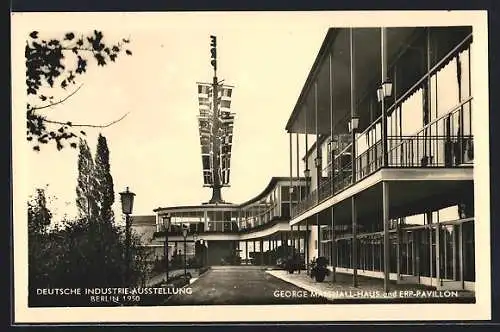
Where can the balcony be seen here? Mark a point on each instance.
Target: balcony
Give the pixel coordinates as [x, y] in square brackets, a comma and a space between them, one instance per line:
[445, 142]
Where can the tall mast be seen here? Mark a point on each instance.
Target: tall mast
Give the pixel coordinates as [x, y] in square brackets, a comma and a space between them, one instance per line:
[216, 137]
[216, 130]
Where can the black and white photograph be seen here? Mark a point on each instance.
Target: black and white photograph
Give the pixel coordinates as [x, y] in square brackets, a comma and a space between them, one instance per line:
[250, 166]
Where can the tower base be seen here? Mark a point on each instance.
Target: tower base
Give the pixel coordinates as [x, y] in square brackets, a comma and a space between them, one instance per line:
[216, 196]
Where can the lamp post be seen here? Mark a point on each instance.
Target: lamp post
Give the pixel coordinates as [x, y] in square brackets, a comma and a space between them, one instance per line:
[202, 253]
[383, 92]
[195, 239]
[166, 229]
[307, 175]
[184, 234]
[318, 162]
[127, 200]
[353, 127]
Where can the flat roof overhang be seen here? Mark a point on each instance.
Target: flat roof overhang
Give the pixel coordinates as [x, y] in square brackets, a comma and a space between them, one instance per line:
[367, 73]
[367, 64]
[411, 191]
[273, 183]
[272, 231]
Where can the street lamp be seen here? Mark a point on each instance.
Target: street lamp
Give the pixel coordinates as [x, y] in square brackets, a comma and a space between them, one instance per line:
[318, 162]
[354, 124]
[127, 200]
[385, 90]
[185, 234]
[166, 228]
[307, 175]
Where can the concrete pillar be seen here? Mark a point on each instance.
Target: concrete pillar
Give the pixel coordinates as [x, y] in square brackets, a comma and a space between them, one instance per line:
[431, 267]
[306, 244]
[298, 243]
[354, 243]
[383, 59]
[261, 252]
[353, 102]
[246, 251]
[334, 248]
[291, 175]
[438, 255]
[398, 252]
[282, 247]
[297, 239]
[254, 248]
[461, 256]
[385, 213]
[206, 252]
[318, 235]
[269, 250]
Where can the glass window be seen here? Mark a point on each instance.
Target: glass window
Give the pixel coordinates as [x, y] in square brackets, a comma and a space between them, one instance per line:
[361, 144]
[414, 220]
[468, 245]
[218, 216]
[448, 214]
[464, 61]
[412, 114]
[211, 215]
[447, 88]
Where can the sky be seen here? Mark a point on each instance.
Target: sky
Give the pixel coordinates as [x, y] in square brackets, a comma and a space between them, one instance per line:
[155, 149]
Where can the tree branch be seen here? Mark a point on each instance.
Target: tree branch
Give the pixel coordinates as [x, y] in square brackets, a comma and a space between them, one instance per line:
[88, 125]
[78, 48]
[34, 108]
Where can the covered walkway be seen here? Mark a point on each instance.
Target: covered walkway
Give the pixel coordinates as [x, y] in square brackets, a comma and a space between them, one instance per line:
[371, 290]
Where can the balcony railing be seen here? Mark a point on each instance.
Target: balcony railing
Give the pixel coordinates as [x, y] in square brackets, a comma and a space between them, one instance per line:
[445, 142]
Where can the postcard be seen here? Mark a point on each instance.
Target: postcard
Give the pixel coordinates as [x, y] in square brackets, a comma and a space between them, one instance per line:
[218, 167]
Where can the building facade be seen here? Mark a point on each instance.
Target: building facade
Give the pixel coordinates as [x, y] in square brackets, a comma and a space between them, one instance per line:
[390, 170]
[386, 186]
[254, 232]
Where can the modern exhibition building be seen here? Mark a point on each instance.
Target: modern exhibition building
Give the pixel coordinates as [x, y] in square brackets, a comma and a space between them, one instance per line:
[386, 187]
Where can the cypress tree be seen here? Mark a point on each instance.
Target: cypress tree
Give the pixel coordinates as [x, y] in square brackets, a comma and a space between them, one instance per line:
[104, 181]
[85, 189]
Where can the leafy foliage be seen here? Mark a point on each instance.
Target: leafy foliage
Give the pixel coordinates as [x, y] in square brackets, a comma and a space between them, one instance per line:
[57, 63]
[83, 254]
[89, 251]
[39, 216]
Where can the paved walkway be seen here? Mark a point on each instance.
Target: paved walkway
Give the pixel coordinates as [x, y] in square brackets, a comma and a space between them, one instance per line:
[158, 278]
[242, 285]
[371, 290]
